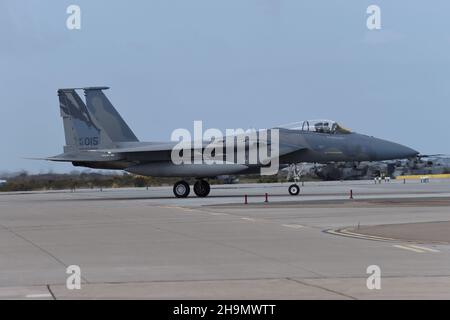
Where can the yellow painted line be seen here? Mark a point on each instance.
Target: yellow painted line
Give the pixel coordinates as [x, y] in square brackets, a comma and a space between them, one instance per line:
[293, 226]
[408, 248]
[423, 248]
[421, 176]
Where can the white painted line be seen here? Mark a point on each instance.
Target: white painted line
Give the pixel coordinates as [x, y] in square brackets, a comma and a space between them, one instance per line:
[293, 226]
[248, 219]
[424, 248]
[366, 236]
[182, 208]
[353, 235]
[217, 214]
[38, 295]
[408, 248]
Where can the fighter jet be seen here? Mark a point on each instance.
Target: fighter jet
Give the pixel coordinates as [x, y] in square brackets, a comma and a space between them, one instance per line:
[97, 137]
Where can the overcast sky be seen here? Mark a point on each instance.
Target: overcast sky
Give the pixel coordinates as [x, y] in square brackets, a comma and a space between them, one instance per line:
[230, 63]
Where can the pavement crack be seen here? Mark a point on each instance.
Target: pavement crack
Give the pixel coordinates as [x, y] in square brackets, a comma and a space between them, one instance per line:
[43, 250]
[322, 288]
[51, 292]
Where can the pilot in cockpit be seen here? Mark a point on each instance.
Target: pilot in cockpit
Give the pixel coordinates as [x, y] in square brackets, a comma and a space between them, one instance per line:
[322, 127]
[319, 126]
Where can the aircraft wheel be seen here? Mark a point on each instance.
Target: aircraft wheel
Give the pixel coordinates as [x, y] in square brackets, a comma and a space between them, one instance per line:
[294, 190]
[181, 189]
[202, 188]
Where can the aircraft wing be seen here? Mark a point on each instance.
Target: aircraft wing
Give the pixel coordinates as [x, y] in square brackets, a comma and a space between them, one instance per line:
[151, 152]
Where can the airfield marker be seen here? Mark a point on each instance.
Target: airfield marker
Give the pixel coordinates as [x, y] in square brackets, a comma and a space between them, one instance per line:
[245, 199]
[351, 194]
[267, 197]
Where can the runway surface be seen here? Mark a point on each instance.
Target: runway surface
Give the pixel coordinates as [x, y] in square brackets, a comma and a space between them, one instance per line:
[145, 244]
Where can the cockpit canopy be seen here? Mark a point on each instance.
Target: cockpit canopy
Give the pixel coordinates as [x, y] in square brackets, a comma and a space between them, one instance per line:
[319, 126]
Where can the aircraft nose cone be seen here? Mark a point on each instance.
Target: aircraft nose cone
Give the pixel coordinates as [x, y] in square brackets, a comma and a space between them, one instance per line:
[406, 152]
[389, 150]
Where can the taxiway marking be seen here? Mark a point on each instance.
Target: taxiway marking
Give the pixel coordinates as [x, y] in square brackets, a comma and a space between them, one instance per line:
[38, 295]
[346, 233]
[424, 248]
[293, 226]
[408, 248]
[217, 213]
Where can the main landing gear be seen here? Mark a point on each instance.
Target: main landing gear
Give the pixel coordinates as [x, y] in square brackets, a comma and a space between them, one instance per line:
[181, 189]
[202, 188]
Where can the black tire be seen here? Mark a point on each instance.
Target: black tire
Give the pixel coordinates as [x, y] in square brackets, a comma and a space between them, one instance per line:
[294, 190]
[202, 188]
[181, 189]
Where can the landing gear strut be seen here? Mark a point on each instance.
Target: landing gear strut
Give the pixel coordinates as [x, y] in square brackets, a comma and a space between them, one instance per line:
[202, 188]
[296, 173]
[181, 189]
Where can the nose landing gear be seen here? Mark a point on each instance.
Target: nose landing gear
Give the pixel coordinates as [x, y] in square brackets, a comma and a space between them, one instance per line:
[296, 173]
[294, 189]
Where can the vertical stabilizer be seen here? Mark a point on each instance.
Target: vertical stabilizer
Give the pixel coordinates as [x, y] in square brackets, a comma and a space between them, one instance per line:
[81, 130]
[107, 116]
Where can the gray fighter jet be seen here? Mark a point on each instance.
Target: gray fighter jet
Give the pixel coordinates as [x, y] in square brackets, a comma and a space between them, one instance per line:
[97, 137]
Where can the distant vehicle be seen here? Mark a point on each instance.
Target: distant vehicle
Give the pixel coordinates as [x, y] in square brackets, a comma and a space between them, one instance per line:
[97, 137]
[3, 182]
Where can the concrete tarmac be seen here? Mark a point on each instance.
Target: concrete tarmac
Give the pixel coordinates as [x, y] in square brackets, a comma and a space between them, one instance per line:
[145, 244]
